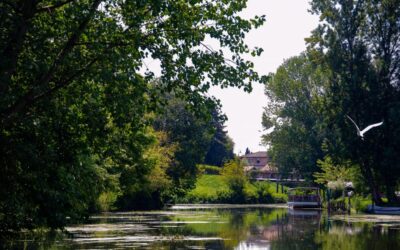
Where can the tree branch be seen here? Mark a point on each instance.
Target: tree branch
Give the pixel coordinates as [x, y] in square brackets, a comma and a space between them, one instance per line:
[44, 80]
[30, 98]
[70, 44]
[66, 82]
[15, 41]
[113, 44]
[11, 4]
[213, 51]
[51, 8]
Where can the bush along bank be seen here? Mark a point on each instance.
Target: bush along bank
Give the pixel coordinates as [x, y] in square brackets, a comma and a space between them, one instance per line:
[214, 188]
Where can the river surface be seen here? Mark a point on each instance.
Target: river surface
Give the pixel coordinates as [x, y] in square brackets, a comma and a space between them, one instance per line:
[223, 227]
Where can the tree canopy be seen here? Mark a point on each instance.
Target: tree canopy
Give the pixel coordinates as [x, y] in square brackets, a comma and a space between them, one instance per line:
[47, 46]
[351, 68]
[359, 42]
[221, 146]
[293, 112]
[77, 97]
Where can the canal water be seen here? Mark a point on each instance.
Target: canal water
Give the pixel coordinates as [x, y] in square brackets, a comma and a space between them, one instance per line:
[223, 227]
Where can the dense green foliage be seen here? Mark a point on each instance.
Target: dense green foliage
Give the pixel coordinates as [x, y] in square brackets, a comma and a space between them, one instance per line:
[200, 137]
[214, 188]
[75, 112]
[234, 176]
[294, 94]
[359, 42]
[193, 136]
[335, 176]
[152, 189]
[221, 147]
[209, 169]
[351, 68]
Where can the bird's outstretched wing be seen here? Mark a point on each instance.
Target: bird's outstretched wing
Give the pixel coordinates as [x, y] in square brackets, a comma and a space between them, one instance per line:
[358, 129]
[371, 126]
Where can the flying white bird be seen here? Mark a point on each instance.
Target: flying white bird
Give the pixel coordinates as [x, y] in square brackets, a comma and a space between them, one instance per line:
[362, 132]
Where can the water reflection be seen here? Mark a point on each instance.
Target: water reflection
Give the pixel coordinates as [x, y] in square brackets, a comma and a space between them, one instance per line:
[294, 229]
[222, 228]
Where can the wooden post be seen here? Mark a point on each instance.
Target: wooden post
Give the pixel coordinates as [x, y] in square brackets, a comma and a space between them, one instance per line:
[373, 203]
[349, 204]
[328, 199]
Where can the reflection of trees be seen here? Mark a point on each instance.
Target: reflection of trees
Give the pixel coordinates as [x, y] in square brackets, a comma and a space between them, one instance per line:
[289, 231]
[39, 239]
[241, 228]
[244, 223]
[237, 225]
[349, 236]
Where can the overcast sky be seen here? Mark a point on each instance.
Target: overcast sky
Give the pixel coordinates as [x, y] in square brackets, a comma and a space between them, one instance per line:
[282, 36]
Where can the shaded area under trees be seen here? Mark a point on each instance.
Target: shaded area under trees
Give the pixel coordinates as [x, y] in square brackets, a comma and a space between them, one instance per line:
[75, 113]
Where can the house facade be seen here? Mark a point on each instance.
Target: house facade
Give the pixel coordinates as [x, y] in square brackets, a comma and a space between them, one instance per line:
[258, 166]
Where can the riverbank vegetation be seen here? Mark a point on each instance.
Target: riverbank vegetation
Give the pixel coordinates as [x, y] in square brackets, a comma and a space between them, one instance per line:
[86, 125]
[350, 69]
[231, 185]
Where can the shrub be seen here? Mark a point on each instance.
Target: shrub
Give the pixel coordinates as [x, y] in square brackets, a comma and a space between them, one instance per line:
[360, 203]
[208, 169]
[224, 196]
[106, 200]
[279, 198]
[216, 189]
[236, 180]
[251, 194]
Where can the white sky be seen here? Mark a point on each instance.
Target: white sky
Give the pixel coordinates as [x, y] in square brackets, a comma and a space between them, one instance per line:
[282, 36]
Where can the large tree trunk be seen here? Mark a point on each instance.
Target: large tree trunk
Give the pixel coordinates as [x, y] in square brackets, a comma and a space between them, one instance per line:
[23, 13]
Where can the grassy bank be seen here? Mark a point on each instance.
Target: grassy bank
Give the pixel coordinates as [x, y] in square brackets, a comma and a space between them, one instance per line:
[212, 188]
